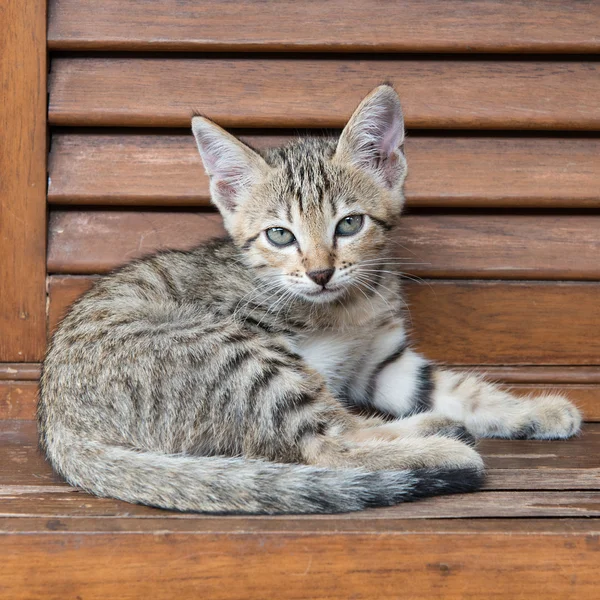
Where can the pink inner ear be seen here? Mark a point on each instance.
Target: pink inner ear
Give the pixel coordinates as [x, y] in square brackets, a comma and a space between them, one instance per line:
[390, 141]
[226, 193]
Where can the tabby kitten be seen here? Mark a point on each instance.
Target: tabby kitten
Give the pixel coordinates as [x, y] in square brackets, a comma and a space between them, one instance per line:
[220, 379]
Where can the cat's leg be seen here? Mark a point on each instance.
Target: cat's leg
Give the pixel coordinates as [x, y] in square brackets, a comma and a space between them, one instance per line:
[403, 383]
[290, 415]
[490, 411]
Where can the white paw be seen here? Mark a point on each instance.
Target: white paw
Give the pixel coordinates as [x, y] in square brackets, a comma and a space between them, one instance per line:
[552, 418]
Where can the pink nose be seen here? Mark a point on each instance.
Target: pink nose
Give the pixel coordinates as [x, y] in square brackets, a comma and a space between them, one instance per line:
[322, 276]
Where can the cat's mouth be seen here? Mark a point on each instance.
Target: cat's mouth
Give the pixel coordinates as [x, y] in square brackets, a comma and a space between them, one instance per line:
[325, 293]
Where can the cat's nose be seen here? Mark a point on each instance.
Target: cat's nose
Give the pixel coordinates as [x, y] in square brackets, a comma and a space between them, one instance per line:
[321, 276]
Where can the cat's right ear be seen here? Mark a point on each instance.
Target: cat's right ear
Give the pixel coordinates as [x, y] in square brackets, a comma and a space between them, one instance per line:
[233, 167]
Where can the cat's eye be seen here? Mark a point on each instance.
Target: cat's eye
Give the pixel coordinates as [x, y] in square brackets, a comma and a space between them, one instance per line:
[349, 225]
[280, 236]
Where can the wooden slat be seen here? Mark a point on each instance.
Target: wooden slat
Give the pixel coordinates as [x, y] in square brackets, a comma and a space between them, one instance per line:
[101, 241]
[530, 504]
[455, 246]
[334, 26]
[526, 466]
[20, 371]
[256, 92]
[286, 566]
[22, 180]
[301, 525]
[494, 171]
[506, 323]
[18, 399]
[478, 322]
[543, 375]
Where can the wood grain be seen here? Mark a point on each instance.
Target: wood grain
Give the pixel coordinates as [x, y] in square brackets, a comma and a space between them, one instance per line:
[18, 399]
[127, 169]
[529, 504]
[543, 375]
[22, 180]
[248, 92]
[360, 26]
[526, 466]
[444, 245]
[476, 322]
[20, 371]
[294, 566]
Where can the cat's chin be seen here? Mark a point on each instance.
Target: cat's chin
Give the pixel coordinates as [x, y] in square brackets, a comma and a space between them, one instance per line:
[324, 296]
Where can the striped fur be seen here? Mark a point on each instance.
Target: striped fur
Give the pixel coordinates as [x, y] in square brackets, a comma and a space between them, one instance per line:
[219, 379]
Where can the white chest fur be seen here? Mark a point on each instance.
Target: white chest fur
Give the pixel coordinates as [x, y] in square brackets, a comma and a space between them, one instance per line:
[335, 355]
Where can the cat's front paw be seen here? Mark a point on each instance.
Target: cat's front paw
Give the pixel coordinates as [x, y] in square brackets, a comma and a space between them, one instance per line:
[552, 418]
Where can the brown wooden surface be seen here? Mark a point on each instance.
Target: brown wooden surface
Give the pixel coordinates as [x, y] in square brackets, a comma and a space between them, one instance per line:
[18, 399]
[544, 375]
[257, 92]
[334, 26]
[22, 180]
[444, 245]
[128, 169]
[292, 566]
[20, 371]
[475, 322]
[526, 466]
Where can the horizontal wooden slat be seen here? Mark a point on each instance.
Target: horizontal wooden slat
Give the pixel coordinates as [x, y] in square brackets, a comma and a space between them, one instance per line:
[478, 322]
[494, 171]
[257, 92]
[21, 371]
[511, 504]
[475, 322]
[544, 375]
[333, 26]
[333, 566]
[526, 466]
[484, 246]
[298, 526]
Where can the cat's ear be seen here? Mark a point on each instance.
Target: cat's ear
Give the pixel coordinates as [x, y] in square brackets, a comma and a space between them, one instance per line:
[231, 166]
[373, 139]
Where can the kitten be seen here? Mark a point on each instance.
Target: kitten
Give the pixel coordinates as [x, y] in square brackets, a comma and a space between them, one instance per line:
[220, 379]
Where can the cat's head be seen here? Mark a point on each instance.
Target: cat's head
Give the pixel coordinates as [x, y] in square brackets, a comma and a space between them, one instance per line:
[312, 216]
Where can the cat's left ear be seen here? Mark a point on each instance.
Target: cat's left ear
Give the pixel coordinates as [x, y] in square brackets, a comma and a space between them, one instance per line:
[373, 139]
[232, 166]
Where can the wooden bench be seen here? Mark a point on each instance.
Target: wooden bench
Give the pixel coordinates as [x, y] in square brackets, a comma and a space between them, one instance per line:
[98, 167]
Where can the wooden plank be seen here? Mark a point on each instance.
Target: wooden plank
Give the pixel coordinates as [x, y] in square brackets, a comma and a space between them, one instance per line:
[248, 92]
[231, 524]
[294, 566]
[478, 322]
[542, 375]
[360, 26]
[506, 323]
[18, 399]
[529, 504]
[446, 245]
[22, 180]
[127, 169]
[526, 466]
[21, 371]
[104, 240]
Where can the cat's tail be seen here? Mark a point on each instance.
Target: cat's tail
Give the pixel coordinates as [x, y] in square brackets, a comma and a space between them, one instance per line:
[237, 485]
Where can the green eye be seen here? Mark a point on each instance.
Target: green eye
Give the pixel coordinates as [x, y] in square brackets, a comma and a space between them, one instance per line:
[280, 236]
[349, 225]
